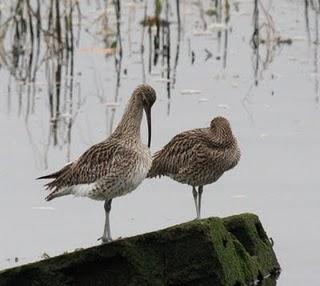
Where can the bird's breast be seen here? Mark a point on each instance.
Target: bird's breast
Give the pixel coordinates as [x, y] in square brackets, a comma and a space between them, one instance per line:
[138, 172]
[232, 157]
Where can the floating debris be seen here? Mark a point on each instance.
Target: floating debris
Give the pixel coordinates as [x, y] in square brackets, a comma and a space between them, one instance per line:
[240, 196]
[264, 135]
[162, 80]
[203, 99]
[313, 74]
[112, 104]
[219, 76]
[297, 38]
[190, 91]
[217, 27]
[133, 5]
[201, 33]
[155, 73]
[3, 7]
[43, 208]
[278, 41]
[65, 116]
[211, 12]
[245, 14]
[223, 106]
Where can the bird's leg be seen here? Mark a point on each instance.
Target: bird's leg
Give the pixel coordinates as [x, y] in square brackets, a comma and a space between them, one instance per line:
[200, 190]
[195, 197]
[107, 232]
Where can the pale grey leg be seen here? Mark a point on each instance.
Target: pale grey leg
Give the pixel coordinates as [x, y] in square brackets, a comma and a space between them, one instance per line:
[107, 232]
[195, 197]
[200, 190]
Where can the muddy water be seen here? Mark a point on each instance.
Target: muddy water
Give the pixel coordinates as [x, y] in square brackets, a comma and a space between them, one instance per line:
[256, 64]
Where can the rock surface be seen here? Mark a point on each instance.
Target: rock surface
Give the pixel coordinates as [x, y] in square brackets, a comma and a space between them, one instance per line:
[231, 251]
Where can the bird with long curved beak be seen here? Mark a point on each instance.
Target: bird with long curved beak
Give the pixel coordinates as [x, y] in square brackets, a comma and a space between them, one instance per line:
[113, 167]
[147, 110]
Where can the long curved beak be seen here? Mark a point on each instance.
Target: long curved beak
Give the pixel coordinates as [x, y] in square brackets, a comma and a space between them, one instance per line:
[148, 115]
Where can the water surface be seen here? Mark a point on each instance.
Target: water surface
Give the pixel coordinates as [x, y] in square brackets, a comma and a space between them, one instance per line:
[255, 62]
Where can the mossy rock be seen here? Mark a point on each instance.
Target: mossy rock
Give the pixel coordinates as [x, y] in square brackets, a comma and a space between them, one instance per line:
[232, 251]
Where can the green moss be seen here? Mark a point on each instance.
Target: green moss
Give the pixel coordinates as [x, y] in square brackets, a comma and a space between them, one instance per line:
[249, 231]
[231, 251]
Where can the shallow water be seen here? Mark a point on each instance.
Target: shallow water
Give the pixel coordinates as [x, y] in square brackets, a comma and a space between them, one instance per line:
[269, 92]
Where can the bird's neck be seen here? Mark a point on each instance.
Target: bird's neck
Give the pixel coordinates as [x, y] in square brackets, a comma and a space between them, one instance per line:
[130, 122]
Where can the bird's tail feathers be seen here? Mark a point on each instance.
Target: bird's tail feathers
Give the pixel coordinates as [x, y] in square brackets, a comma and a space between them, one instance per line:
[58, 193]
[56, 174]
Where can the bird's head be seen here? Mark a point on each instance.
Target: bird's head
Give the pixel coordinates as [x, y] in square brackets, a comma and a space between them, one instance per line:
[221, 125]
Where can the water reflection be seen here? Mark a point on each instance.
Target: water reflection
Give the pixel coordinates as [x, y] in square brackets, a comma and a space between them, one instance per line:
[117, 63]
[226, 31]
[178, 33]
[306, 16]
[37, 35]
[255, 41]
[316, 56]
[313, 8]
[52, 33]
[49, 73]
[166, 30]
[222, 17]
[159, 43]
[265, 40]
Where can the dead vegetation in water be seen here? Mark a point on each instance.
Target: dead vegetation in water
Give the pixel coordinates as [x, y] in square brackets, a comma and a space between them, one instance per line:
[312, 14]
[155, 20]
[266, 34]
[41, 38]
[34, 36]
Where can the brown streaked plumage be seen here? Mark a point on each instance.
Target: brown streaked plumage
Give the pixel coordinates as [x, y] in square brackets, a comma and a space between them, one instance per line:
[198, 157]
[113, 167]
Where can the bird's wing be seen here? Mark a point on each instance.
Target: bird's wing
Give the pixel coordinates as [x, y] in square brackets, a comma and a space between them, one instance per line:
[208, 157]
[92, 165]
[179, 153]
[57, 173]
